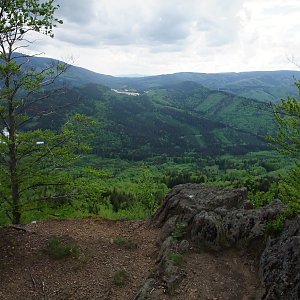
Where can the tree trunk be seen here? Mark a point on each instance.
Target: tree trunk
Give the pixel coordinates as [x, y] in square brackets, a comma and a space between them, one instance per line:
[13, 160]
[16, 212]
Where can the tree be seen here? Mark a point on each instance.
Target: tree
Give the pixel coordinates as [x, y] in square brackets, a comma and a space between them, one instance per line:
[287, 142]
[30, 160]
[287, 115]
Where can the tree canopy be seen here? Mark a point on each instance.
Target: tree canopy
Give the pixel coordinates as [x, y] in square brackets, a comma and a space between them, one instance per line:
[287, 142]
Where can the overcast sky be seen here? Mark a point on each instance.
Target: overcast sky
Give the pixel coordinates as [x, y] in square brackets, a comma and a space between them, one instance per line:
[167, 36]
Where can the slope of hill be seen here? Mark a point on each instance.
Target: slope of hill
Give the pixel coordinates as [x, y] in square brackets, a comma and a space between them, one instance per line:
[172, 115]
[268, 86]
[264, 86]
[179, 119]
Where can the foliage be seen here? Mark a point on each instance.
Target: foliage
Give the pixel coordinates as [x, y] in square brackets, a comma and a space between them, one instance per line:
[287, 142]
[120, 277]
[125, 242]
[179, 231]
[59, 249]
[93, 178]
[289, 188]
[177, 258]
[276, 226]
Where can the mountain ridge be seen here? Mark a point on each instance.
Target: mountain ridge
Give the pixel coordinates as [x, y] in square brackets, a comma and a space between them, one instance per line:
[267, 86]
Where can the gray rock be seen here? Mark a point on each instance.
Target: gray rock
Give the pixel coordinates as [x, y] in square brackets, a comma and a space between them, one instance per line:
[218, 218]
[186, 200]
[145, 293]
[280, 264]
[183, 247]
[207, 230]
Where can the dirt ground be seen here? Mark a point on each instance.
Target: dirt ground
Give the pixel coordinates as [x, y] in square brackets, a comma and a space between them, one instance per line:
[28, 272]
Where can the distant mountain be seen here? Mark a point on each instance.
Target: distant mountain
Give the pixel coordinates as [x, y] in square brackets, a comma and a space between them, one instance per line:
[132, 75]
[172, 114]
[267, 86]
[264, 86]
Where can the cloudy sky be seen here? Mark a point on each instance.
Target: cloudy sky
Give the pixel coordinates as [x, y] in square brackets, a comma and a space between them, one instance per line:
[165, 36]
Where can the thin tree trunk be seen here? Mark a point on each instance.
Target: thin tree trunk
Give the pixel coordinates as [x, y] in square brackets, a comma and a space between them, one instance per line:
[16, 212]
[13, 160]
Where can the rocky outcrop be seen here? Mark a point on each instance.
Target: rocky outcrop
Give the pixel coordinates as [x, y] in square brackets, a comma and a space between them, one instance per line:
[213, 219]
[280, 264]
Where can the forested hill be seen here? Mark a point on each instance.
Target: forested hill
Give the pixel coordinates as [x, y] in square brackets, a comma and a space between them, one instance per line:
[176, 120]
[172, 114]
[264, 86]
[268, 86]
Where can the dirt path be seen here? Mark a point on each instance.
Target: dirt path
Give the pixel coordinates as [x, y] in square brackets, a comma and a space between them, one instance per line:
[27, 271]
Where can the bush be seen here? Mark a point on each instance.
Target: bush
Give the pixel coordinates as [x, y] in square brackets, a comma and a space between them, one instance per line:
[276, 226]
[177, 258]
[58, 249]
[179, 231]
[120, 277]
[125, 242]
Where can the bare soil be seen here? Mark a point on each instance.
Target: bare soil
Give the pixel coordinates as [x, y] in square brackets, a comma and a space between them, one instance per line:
[28, 272]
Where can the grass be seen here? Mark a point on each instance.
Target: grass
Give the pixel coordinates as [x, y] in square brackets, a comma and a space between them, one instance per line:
[58, 249]
[125, 242]
[177, 258]
[120, 277]
[179, 231]
[133, 213]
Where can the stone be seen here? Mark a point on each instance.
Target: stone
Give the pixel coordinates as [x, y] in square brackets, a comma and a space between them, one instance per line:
[215, 219]
[280, 264]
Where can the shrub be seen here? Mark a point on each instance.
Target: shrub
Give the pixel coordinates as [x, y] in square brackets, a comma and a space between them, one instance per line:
[58, 249]
[276, 226]
[125, 242]
[120, 277]
[179, 231]
[177, 258]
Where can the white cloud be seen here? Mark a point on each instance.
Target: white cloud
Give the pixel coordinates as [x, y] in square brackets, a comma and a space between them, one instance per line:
[151, 37]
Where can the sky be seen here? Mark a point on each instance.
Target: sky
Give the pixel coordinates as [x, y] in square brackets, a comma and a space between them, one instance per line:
[122, 37]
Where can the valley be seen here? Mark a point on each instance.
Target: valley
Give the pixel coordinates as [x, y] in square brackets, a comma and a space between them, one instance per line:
[150, 133]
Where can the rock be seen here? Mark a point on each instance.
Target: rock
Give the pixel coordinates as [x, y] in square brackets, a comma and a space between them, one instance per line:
[215, 218]
[145, 293]
[280, 264]
[171, 275]
[246, 228]
[183, 246]
[207, 230]
[166, 248]
[186, 200]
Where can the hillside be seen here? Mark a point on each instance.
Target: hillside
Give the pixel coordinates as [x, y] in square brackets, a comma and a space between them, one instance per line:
[267, 86]
[178, 119]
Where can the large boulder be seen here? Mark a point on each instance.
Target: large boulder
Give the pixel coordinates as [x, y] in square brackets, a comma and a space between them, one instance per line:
[215, 218]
